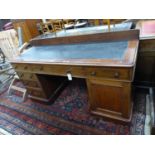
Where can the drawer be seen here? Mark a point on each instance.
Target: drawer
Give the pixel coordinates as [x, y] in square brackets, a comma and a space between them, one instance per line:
[27, 76]
[79, 71]
[36, 93]
[34, 84]
[22, 67]
[112, 73]
[76, 71]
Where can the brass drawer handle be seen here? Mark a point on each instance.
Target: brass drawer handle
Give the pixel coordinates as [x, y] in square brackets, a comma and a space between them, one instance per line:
[93, 73]
[116, 75]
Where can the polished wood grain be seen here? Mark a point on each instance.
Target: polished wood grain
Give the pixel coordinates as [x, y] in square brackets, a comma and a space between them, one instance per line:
[119, 73]
[127, 61]
[96, 37]
[104, 100]
[29, 28]
[109, 81]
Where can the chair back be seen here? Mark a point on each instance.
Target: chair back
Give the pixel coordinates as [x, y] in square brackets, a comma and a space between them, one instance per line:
[9, 43]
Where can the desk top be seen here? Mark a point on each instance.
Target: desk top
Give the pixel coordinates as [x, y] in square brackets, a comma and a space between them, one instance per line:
[108, 50]
[116, 54]
[116, 49]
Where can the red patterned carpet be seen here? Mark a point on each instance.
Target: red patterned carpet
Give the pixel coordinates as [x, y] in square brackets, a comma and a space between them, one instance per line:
[68, 115]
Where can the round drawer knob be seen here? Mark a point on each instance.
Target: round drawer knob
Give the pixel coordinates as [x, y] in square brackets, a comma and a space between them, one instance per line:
[41, 68]
[116, 75]
[93, 73]
[25, 67]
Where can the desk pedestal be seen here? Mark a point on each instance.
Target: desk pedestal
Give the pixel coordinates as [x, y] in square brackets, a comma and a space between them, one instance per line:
[110, 99]
[109, 88]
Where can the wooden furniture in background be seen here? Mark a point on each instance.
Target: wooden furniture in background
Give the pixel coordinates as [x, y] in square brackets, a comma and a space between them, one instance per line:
[95, 22]
[56, 24]
[9, 43]
[145, 70]
[83, 31]
[29, 28]
[10, 47]
[104, 21]
[53, 25]
[108, 75]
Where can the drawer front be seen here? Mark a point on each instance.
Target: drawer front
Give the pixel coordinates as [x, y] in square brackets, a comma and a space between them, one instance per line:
[109, 73]
[22, 67]
[78, 71]
[59, 70]
[27, 76]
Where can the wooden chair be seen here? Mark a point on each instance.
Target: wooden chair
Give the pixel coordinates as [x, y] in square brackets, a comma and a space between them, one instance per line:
[5, 69]
[68, 23]
[81, 23]
[56, 24]
[104, 21]
[9, 45]
[45, 27]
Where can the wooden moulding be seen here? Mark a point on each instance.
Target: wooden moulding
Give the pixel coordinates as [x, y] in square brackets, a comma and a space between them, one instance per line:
[98, 37]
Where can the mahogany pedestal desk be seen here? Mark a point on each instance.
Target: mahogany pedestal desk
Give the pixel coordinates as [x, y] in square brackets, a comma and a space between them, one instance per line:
[105, 60]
